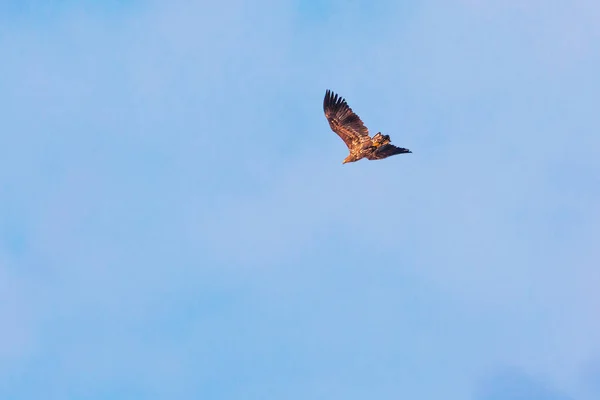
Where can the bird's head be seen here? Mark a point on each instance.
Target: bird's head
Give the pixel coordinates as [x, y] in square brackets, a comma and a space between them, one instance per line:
[348, 159]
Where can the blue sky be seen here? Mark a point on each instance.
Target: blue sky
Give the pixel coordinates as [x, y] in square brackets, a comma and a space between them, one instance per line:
[175, 220]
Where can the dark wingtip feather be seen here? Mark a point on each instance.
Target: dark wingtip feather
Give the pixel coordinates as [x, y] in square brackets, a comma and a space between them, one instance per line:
[326, 99]
[333, 102]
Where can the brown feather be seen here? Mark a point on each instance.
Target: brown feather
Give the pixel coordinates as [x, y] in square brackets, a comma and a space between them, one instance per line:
[385, 151]
[343, 120]
[350, 128]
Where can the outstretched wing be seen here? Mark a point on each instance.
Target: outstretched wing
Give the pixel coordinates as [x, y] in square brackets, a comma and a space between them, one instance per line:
[387, 150]
[343, 120]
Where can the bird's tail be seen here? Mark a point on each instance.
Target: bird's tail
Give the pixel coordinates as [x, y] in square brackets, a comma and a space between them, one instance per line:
[399, 150]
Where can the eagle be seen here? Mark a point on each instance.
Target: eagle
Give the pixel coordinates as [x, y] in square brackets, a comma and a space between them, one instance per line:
[354, 133]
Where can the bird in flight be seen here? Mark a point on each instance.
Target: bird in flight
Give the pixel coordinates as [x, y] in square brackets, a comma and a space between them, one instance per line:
[354, 133]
